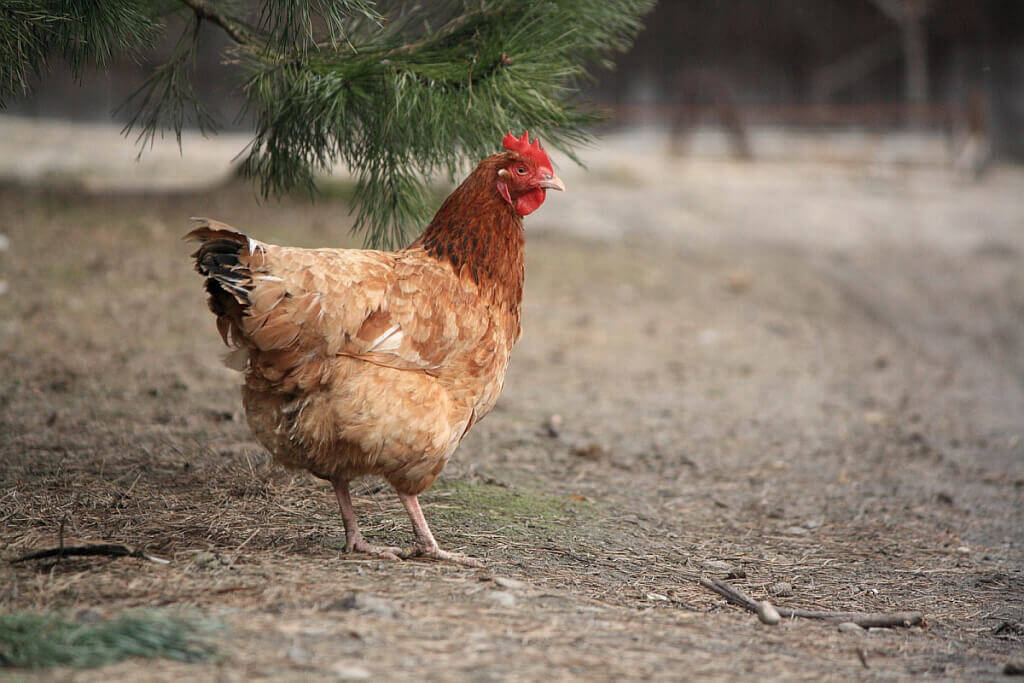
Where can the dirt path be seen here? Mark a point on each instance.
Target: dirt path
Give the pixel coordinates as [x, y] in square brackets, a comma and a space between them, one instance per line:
[811, 373]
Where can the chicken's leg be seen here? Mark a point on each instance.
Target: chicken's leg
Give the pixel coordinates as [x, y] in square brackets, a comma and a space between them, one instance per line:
[354, 541]
[425, 545]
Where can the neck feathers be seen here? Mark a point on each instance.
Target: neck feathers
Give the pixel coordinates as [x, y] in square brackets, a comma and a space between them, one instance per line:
[481, 235]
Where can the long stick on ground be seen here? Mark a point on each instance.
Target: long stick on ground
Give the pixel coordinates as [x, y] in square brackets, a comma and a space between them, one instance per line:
[866, 620]
[105, 549]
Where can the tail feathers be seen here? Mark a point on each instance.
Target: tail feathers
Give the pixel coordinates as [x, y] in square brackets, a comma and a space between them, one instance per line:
[223, 257]
[223, 253]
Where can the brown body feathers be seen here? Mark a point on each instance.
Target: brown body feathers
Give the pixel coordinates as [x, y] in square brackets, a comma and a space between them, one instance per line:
[366, 362]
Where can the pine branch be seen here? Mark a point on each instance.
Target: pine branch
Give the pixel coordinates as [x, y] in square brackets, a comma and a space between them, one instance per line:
[424, 91]
[398, 109]
[167, 99]
[33, 33]
[230, 27]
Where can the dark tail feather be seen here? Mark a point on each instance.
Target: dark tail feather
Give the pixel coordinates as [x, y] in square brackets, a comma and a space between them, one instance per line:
[222, 258]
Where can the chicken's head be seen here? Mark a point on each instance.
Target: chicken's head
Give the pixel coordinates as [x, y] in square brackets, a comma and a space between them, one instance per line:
[526, 175]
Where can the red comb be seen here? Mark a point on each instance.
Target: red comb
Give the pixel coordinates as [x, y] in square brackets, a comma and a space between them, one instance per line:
[531, 151]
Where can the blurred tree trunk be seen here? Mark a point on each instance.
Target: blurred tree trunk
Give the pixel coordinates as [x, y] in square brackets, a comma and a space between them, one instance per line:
[915, 51]
[910, 15]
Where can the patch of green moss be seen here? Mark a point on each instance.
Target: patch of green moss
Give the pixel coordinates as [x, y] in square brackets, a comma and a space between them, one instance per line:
[488, 506]
[33, 641]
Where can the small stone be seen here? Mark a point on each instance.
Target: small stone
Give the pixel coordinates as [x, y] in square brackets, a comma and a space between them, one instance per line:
[205, 559]
[501, 598]
[719, 565]
[591, 451]
[963, 550]
[850, 627]
[738, 281]
[875, 417]
[553, 426]
[782, 589]
[657, 597]
[350, 672]
[511, 584]
[796, 531]
[1014, 667]
[767, 613]
[363, 602]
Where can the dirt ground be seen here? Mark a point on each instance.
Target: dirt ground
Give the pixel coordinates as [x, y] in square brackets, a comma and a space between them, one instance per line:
[804, 373]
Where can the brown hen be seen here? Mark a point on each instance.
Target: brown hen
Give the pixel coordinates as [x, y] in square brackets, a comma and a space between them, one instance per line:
[362, 362]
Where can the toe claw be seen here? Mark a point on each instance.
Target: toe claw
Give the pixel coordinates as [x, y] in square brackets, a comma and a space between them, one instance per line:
[383, 552]
[436, 553]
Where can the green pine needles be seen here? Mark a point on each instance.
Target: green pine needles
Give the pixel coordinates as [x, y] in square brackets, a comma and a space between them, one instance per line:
[34, 641]
[398, 92]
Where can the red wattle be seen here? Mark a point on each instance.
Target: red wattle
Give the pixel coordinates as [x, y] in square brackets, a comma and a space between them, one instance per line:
[528, 202]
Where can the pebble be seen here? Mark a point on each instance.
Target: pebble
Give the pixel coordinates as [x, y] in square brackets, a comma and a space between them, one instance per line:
[590, 451]
[205, 559]
[738, 281]
[850, 627]
[796, 531]
[963, 550]
[349, 672]
[1014, 667]
[767, 613]
[782, 589]
[501, 598]
[553, 426]
[657, 597]
[720, 565]
[363, 602]
[511, 584]
[875, 417]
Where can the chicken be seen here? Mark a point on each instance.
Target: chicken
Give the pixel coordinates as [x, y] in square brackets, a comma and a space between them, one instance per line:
[360, 362]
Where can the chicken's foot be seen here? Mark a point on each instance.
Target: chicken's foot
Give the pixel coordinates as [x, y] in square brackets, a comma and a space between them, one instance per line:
[354, 541]
[425, 545]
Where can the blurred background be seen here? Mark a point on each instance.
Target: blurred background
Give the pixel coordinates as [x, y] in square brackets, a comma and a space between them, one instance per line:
[945, 78]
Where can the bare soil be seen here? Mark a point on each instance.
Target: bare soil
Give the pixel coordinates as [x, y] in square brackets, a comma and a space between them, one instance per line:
[802, 373]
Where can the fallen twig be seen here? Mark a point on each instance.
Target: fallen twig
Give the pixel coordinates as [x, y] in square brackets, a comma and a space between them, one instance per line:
[105, 549]
[865, 620]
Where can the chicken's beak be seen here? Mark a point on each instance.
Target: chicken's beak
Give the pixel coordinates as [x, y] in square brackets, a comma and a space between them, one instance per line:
[551, 182]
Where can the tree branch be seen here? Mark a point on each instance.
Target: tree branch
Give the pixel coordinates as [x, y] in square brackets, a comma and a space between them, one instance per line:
[203, 11]
[448, 28]
[865, 620]
[104, 549]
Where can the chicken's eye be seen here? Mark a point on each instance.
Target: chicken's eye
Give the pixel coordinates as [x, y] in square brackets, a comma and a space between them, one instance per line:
[521, 170]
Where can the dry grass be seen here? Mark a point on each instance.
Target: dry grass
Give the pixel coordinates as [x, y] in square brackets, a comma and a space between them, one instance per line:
[777, 444]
